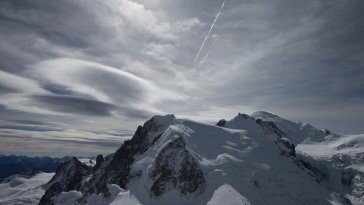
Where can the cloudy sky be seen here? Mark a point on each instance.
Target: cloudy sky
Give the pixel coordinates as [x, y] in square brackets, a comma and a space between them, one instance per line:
[79, 76]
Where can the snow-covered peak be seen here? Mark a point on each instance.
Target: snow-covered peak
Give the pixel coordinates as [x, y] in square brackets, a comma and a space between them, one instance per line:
[264, 115]
[154, 127]
[296, 132]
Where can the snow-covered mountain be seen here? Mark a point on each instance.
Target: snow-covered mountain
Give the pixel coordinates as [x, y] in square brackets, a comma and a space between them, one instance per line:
[252, 159]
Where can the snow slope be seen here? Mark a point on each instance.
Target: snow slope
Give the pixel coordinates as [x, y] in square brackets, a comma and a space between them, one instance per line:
[227, 195]
[348, 145]
[342, 160]
[25, 190]
[297, 132]
[337, 160]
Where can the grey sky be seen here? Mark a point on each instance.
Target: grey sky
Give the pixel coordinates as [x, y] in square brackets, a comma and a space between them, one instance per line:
[86, 66]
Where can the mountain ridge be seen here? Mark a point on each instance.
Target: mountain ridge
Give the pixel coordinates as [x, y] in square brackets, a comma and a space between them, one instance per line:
[187, 162]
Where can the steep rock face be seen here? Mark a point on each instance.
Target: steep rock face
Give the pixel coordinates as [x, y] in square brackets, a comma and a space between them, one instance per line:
[284, 143]
[99, 160]
[270, 128]
[118, 169]
[337, 168]
[175, 168]
[221, 123]
[69, 176]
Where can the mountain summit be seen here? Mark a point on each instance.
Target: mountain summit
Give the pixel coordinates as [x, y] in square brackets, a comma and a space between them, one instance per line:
[250, 159]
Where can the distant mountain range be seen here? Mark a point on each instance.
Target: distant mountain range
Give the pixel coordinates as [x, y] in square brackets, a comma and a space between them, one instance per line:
[255, 159]
[10, 165]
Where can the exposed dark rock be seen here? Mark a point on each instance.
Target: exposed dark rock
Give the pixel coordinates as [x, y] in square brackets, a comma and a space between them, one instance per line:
[243, 115]
[190, 175]
[270, 128]
[347, 177]
[118, 170]
[174, 168]
[289, 146]
[259, 121]
[221, 123]
[289, 149]
[69, 176]
[99, 160]
[327, 132]
[312, 170]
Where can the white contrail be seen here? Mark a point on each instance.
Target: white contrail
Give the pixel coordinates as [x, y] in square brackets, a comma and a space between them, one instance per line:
[208, 33]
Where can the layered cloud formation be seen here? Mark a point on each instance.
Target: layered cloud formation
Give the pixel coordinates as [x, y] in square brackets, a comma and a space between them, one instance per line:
[86, 66]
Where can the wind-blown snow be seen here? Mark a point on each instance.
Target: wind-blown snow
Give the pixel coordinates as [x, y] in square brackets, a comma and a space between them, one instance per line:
[19, 189]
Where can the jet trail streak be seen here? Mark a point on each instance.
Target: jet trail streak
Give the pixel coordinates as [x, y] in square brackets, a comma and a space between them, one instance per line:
[208, 33]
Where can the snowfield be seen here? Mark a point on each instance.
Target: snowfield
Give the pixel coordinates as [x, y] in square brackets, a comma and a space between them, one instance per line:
[24, 190]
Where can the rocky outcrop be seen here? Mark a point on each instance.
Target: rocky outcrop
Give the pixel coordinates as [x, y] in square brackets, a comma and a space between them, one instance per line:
[347, 177]
[114, 169]
[221, 123]
[99, 160]
[285, 145]
[117, 170]
[175, 168]
[70, 175]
